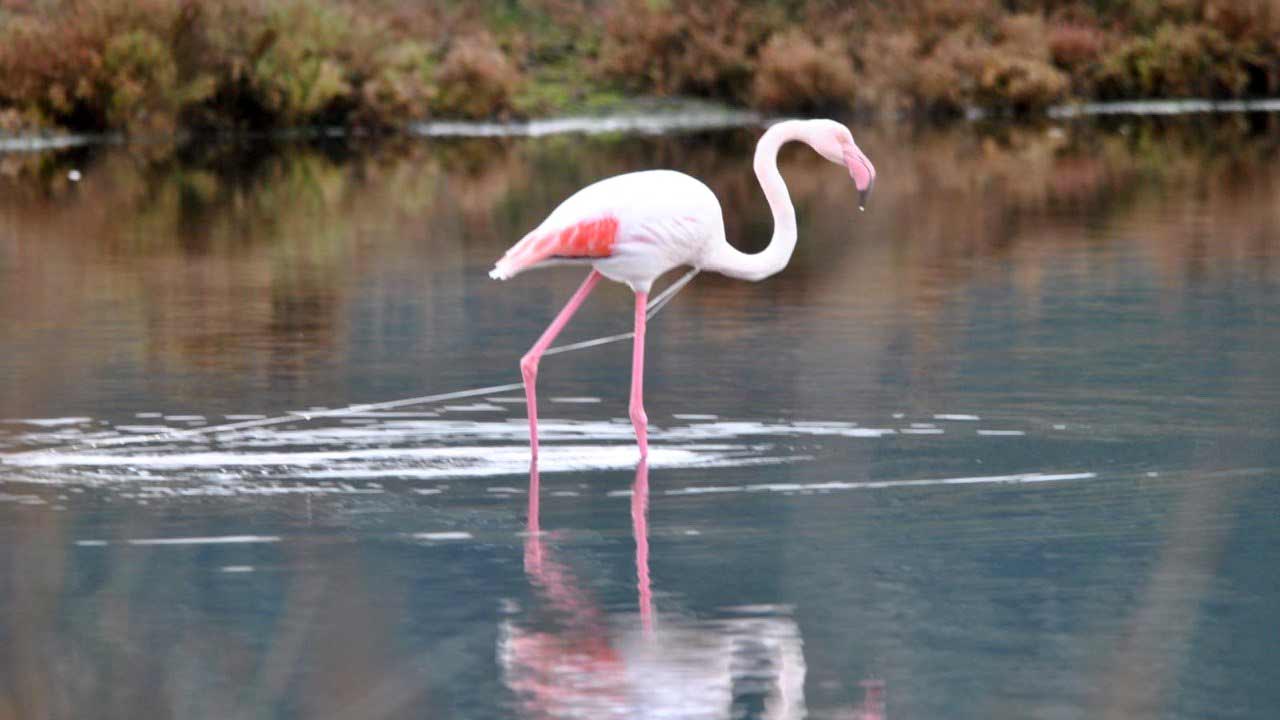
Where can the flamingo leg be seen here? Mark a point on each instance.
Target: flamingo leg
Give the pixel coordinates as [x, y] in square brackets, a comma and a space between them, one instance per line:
[529, 363]
[639, 420]
[640, 531]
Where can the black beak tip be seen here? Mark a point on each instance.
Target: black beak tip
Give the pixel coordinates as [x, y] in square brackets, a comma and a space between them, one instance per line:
[863, 197]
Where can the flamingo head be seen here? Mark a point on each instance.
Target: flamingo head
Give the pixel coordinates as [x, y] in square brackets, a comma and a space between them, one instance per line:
[834, 142]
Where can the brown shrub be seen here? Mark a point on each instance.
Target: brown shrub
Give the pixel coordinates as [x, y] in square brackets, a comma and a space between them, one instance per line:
[701, 47]
[154, 64]
[399, 83]
[64, 67]
[944, 14]
[888, 70]
[1074, 46]
[796, 74]
[1016, 70]
[1244, 19]
[942, 80]
[1019, 83]
[476, 80]
[1009, 69]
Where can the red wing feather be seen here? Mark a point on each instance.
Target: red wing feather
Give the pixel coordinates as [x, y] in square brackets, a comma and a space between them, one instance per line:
[590, 238]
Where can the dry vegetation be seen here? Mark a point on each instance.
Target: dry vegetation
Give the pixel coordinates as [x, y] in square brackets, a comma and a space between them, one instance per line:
[154, 65]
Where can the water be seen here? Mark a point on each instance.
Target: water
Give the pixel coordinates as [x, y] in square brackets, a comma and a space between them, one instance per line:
[1004, 445]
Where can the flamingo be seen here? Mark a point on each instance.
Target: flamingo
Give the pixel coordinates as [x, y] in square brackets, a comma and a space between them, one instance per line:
[633, 228]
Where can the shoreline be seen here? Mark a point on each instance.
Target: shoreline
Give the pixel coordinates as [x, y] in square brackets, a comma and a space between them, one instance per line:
[693, 117]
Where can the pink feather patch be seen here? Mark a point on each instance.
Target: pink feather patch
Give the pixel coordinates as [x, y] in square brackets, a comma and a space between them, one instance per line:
[591, 238]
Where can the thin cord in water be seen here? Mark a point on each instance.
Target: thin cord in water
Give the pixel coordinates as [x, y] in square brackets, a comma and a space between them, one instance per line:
[655, 305]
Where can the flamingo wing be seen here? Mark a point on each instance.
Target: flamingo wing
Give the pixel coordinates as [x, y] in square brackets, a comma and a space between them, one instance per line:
[586, 238]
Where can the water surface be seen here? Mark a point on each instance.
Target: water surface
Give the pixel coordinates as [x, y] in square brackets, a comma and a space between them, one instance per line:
[1005, 445]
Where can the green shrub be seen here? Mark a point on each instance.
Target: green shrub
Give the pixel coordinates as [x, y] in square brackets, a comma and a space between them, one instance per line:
[1176, 61]
[298, 69]
[141, 82]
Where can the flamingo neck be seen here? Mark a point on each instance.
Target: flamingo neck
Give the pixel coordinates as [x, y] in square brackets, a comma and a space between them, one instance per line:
[730, 261]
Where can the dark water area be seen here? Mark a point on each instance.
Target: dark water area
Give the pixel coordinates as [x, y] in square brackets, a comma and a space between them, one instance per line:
[1005, 445]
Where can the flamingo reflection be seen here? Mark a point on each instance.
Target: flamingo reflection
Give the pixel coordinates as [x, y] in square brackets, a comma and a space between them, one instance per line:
[585, 662]
[872, 707]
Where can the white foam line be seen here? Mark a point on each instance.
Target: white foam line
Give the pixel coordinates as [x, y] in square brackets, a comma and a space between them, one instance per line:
[878, 485]
[956, 416]
[576, 400]
[727, 429]
[556, 459]
[49, 422]
[321, 458]
[475, 407]
[39, 143]
[147, 429]
[448, 535]
[271, 490]
[998, 433]
[922, 431]
[22, 499]
[1165, 107]
[652, 124]
[220, 540]
[417, 415]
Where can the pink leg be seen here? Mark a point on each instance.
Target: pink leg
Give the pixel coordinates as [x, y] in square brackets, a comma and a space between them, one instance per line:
[639, 420]
[529, 363]
[640, 531]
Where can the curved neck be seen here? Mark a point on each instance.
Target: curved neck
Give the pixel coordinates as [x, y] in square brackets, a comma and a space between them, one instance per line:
[729, 260]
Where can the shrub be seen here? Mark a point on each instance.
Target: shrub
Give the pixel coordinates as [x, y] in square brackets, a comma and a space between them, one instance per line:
[700, 47]
[1016, 71]
[399, 83]
[796, 74]
[476, 80]
[1008, 69]
[64, 67]
[141, 82]
[155, 64]
[1075, 46]
[1176, 61]
[297, 68]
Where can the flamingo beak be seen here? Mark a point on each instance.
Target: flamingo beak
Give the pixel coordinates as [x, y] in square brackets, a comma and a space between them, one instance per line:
[864, 195]
[863, 174]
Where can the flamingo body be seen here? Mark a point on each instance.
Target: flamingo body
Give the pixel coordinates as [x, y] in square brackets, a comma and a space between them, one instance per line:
[635, 227]
[631, 228]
